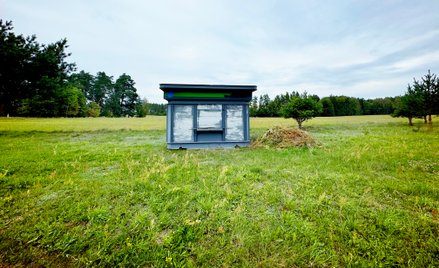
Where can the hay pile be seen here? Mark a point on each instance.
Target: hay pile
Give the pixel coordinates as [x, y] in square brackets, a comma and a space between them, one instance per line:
[283, 137]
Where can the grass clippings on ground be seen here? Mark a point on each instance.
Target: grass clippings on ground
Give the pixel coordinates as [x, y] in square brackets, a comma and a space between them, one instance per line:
[285, 137]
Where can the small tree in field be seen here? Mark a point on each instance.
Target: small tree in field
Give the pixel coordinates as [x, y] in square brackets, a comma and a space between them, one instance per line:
[420, 100]
[410, 105]
[428, 87]
[301, 108]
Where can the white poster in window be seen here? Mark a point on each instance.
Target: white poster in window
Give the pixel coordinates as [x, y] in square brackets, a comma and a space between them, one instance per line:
[234, 123]
[209, 116]
[183, 123]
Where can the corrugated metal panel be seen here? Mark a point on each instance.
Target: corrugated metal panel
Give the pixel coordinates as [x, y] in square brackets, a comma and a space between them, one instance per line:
[234, 123]
[209, 116]
[183, 123]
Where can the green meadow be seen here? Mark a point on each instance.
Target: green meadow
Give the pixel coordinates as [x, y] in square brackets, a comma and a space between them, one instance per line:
[106, 192]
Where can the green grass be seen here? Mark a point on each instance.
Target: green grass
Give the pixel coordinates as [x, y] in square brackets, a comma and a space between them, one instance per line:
[107, 192]
[82, 124]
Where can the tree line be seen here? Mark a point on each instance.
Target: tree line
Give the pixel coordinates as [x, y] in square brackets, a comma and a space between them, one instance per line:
[421, 100]
[105, 97]
[263, 106]
[36, 80]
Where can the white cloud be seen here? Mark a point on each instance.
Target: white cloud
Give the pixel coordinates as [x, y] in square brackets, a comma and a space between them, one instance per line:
[354, 48]
[415, 62]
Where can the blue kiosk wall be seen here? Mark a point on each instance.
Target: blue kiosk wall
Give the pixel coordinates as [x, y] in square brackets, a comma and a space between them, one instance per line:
[207, 116]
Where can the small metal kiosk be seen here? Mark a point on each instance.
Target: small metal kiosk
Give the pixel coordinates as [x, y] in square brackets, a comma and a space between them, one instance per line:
[207, 116]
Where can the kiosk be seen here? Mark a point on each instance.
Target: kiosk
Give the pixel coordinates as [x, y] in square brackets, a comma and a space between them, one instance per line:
[207, 116]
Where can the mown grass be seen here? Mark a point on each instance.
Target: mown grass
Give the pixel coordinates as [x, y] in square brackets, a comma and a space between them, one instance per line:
[107, 192]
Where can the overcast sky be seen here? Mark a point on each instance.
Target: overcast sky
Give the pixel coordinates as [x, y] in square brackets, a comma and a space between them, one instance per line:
[356, 48]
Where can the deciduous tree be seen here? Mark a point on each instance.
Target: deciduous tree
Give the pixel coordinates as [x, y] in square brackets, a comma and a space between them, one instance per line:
[72, 102]
[302, 108]
[93, 109]
[327, 107]
[142, 108]
[84, 81]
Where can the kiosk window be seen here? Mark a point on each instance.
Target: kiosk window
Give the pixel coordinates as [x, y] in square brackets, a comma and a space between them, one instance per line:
[234, 123]
[183, 123]
[209, 116]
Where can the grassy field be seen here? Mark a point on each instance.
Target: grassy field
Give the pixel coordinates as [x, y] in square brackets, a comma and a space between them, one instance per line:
[107, 192]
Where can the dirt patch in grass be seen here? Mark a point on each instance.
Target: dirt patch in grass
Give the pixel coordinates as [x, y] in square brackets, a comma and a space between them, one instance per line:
[284, 137]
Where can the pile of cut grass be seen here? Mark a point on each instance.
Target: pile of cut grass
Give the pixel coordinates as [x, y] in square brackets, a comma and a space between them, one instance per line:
[285, 137]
